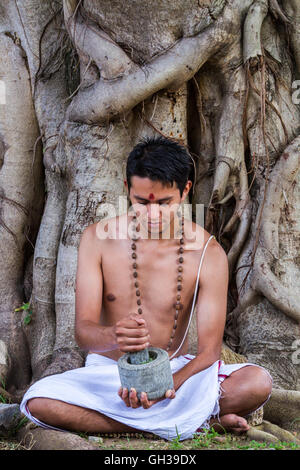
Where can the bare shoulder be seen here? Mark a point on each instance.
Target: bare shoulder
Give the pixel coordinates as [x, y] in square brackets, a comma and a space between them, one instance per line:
[215, 265]
[99, 233]
[93, 238]
[215, 259]
[113, 228]
[89, 246]
[196, 236]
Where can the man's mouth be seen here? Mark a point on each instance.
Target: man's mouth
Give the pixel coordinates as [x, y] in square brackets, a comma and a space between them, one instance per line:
[154, 224]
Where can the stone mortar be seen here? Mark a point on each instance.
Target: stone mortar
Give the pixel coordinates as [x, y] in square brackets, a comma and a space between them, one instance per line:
[154, 377]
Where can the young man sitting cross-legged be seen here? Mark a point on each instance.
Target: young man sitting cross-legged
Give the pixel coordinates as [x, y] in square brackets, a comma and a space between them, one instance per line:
[126, 303]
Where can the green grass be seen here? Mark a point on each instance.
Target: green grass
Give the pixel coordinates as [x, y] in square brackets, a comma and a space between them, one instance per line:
[206, 440]
[281, 445]
[28, 316]
[175, 443]
[3, 399]
[212, 440]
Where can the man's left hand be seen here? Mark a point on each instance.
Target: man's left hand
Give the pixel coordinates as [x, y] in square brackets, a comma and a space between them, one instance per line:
[131, 399]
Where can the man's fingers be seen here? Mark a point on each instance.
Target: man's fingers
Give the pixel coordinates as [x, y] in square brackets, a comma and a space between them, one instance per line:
[133, 398]
[122, 331]
[129, 398]
[137, 335]
[123, 393]
[144, 400]
[132, 340]
[146, 403]
[126, 349]
[137, 318]
[132, 334]
[170, 393]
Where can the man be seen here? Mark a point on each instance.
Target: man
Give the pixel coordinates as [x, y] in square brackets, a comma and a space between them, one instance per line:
[128, 285]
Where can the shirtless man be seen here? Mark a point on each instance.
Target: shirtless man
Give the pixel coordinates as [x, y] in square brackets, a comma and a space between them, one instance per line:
[107, 322]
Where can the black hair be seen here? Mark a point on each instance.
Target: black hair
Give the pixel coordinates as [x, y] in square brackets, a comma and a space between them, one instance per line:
[160, 159]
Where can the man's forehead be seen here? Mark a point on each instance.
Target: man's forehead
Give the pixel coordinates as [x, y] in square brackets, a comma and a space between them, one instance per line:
[146, 187]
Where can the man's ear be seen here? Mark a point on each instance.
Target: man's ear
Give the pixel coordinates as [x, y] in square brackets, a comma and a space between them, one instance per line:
[126, 188]
[186, 190]
[127, 193]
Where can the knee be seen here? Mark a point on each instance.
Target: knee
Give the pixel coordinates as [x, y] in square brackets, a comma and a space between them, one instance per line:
[261, 383]
[36, 406]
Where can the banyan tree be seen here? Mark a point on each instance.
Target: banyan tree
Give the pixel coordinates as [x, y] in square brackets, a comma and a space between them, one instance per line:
[82, 81]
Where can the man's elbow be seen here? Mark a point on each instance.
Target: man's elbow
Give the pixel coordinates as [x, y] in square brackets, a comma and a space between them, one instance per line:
[80, 336]
[214, 356]
[211, 354]
[80, 341]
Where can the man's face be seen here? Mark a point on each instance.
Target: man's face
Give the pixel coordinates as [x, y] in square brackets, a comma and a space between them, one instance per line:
[155, 204]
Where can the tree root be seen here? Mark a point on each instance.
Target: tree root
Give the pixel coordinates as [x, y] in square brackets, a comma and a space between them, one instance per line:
[283, 409]
[91, 41]
[231, 171]
[291, 16]
[5, 364]
[265, 281]
[261, 436]
[271, 433]
[33, 438]
[242, 213]
[252, 31]
[64, 359]
[107, 99]
[277, 431]
[277, 11]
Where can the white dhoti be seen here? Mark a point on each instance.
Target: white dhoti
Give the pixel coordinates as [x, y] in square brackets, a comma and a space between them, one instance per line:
[95, 386]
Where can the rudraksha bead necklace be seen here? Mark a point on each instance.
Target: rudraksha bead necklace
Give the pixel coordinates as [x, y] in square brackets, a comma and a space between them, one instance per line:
[178, 305]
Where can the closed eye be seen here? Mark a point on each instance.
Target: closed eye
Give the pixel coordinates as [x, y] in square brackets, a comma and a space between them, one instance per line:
[160, 203]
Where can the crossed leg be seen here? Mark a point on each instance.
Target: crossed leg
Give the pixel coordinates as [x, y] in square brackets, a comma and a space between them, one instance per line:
[243, 391]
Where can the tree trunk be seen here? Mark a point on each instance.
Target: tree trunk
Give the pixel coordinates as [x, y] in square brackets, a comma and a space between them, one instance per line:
[85, 81]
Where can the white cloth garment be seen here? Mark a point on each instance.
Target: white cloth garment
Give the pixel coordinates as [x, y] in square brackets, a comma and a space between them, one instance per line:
[96, 385]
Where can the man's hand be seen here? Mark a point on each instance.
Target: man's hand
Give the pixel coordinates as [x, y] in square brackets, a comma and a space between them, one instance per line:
[131, 399]
[132, 333]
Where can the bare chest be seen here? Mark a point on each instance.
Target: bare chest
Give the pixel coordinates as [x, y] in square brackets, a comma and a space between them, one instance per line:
[153, 281]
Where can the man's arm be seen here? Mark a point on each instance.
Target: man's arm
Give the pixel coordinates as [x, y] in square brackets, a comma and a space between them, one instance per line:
[211, 312]
[130, 333]
[89, 290]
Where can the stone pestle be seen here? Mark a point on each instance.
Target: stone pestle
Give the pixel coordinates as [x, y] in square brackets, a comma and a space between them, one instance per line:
[139, 357]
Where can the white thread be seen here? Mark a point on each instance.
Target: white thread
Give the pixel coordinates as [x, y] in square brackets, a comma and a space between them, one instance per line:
[195, 295]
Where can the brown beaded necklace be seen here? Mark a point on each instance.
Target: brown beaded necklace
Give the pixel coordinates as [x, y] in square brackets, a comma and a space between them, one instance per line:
[178, 305]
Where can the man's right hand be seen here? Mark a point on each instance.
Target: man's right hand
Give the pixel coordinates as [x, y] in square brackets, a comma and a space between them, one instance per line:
[132, 333]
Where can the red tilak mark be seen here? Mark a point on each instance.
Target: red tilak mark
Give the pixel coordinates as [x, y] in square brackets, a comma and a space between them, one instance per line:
[151, 196]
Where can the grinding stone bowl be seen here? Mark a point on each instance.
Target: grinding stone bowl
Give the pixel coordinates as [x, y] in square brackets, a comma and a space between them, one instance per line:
[154, 377]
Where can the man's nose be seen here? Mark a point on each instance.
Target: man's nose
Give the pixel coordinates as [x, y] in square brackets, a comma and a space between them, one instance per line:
[154, 212]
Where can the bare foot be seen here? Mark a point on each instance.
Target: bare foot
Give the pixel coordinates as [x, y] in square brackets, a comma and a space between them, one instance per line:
[230, 422]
